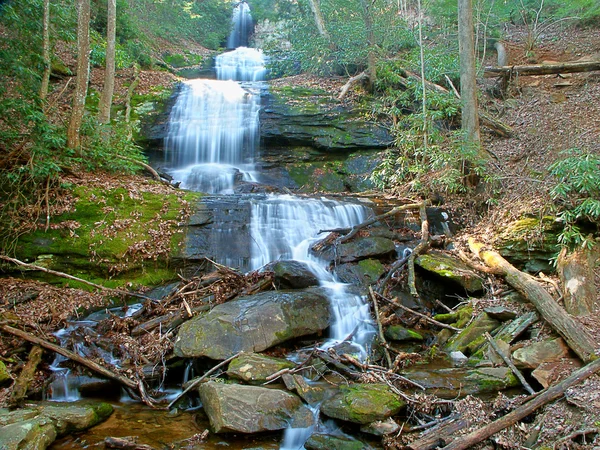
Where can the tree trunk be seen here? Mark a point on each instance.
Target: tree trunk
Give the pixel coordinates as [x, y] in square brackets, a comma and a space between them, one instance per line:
[320, 22]
[83, 69]
[46, 51]
[468, 85]
[577, 337]
[541, 69]
[371, 59]
[576, 271]
[109, 73]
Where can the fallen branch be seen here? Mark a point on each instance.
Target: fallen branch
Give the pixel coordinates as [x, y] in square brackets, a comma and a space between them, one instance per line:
[71, 277]
[95, 367]
[420, 248]
[395, 267]
[199, 379]
[149, 168]
[351, 82]
[509, 363]
[544, 397]
[439, 434]
[541, 69]
[380, 329]
[422, 316]
[576, 336]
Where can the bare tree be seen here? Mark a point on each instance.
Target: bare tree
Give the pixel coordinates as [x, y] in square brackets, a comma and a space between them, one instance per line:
[83, 69]
[315, 7]
[371, 62]
[46, 51]
[109, 73]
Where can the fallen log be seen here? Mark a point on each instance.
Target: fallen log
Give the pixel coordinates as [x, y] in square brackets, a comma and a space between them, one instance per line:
[577, 338]
[544, 397]
[26, 376]
[438, 435]
[126, 443]
[541, 69]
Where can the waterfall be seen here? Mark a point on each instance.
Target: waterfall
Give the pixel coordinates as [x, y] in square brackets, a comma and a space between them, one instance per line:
[241, 26]
[241, 64]
[212, 136]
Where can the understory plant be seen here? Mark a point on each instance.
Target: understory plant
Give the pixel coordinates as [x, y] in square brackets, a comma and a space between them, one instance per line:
[576, 196]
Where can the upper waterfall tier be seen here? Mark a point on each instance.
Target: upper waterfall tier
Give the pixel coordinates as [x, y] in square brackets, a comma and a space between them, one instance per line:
[241, 64]
[242, 26]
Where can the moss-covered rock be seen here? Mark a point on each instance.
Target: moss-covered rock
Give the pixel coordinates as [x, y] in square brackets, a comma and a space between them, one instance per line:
[450, 268]
[254, 368]
[472, 337]
[319, 441]
[365, 272]
[401, 334]
[363, 403]
[4, 375]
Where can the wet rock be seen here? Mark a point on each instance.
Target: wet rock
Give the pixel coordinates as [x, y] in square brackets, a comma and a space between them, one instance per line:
[358, 249]
[363, 403]
[381, 427]
[365, 272]
[253, 324]
[472, 337]
[458, 382]
[37, 427]
[319, 441]
[290, 274]
[312, 393]
[252, 409]
[254, 368]
[537, 353]
[452, 269]
[399, 333]
[458, 358]
[4, 375]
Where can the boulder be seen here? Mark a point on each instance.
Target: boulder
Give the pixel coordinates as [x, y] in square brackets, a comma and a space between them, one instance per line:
[290, 274]
[533, 355]
[365, 272]
[381, 427]
[252, 409]
[401, 334]
[319, 441]
[254, 368]
[452, 269]
[253, 324]
[358, 249]
[472, 337]
[363, 403]
[32, 434]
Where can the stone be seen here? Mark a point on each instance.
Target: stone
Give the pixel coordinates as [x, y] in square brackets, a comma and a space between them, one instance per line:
[33, 434]
[452, 269]
[254, 368]
[252, 409]
[458, 358]
[358, 249]
[381, 427]
[399, 333]
[290, 274]
[549, 373]
[363, 403]
[73, 417]
[320, 441]
[533, 355]
[253, 324]
[365, 272]
[472, 337]
[313, 393]
[515, 328]
[4, 375]
[500, 313]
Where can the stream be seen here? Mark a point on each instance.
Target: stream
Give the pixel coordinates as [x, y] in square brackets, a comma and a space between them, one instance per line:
[212, 145]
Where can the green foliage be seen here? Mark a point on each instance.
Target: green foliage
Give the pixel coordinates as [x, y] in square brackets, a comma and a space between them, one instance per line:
[577, 194]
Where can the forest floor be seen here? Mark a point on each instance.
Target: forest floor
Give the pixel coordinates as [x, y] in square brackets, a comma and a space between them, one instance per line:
[549, 114]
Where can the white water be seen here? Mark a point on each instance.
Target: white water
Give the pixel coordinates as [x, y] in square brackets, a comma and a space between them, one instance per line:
[241, 64]
[213, 134]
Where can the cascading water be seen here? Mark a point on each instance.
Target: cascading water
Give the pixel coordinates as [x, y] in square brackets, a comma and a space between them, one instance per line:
[242, 26]
[241, 64]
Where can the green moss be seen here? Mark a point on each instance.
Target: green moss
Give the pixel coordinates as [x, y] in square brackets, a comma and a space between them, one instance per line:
[372, 268]
[4, 375]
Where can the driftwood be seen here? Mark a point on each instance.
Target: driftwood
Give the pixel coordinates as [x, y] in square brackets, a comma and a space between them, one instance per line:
[95, 367]
[544, 397]
[125, 443]
[541, 69]
[351, 82]
[577, 338]
[71, 277]
[509, 363]
[199, 379]
[26, 376]
[397, 304]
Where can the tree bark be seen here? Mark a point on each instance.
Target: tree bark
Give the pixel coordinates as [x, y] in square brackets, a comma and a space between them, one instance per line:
[109, 73]
[576, 271]
[320, 22]
[541, 69]
[550, 394]
[46, 51]
[371, 59]
[578, 339]
[468, 85]
[83, 69]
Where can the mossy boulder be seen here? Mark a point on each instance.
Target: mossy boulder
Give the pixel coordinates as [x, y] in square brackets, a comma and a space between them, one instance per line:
[290, 274]
[252, 409]
[363, 403]
[401, 334]
[320, 441]
[254, 368]
[365, 272]
[530, 243]
[450, 268]
[253, 323]
[472, 337]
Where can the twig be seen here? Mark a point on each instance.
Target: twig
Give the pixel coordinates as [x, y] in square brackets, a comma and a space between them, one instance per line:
[398, 264]
[509, 363]
[380, 328]
[423, 316]
[71, 277]
[198, 380]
